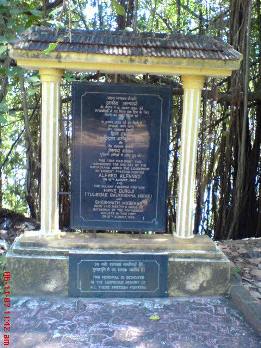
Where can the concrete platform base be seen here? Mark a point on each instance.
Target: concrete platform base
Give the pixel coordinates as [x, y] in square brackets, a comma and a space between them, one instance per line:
[39, 265]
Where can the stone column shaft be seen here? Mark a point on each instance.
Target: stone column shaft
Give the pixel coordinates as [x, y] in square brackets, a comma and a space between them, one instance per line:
[192, 86]
[50, 150]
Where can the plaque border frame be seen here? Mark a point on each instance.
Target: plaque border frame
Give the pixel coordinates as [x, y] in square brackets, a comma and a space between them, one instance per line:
[161, 258]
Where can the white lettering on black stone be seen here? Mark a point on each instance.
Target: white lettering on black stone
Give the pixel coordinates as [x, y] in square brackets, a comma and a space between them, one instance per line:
[119, 166]
[118, 276]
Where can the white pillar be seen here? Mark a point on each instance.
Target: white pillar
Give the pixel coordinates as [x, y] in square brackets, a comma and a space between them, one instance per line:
[50, 150]
[192, 86]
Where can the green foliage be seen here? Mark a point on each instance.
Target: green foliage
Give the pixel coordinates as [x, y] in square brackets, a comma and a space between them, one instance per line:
[51, 47]
[154, 317]
[118, 8]
[15, 17]
[2, 120]
[69, 76]
[3, 112]
[3, 49]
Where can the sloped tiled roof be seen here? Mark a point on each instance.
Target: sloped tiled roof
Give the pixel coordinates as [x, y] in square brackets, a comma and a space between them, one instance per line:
[123, 43]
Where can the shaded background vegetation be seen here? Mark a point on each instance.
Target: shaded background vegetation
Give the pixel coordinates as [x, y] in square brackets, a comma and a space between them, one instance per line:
[228, 199]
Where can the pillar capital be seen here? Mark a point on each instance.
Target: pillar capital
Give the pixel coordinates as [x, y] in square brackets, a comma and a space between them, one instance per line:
[50, 74]
[193, 81]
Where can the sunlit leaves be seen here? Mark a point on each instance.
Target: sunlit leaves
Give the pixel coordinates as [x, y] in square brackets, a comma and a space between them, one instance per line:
[51, 47]
[154, 317]
[118, 8]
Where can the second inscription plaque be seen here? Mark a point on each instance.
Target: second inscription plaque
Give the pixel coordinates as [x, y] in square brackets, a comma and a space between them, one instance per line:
[120, 155]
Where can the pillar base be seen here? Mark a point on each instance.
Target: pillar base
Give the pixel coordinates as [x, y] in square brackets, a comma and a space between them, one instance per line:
[43, 234]
[185, 237]
[39, 264]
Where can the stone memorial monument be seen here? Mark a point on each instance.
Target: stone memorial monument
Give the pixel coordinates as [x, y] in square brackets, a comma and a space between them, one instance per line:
[119, 169]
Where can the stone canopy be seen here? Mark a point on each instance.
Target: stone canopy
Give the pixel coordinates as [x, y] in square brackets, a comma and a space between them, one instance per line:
[146, 52]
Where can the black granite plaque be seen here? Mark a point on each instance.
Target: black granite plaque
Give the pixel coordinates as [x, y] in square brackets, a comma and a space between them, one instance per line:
[120, 156]
[118, 275]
